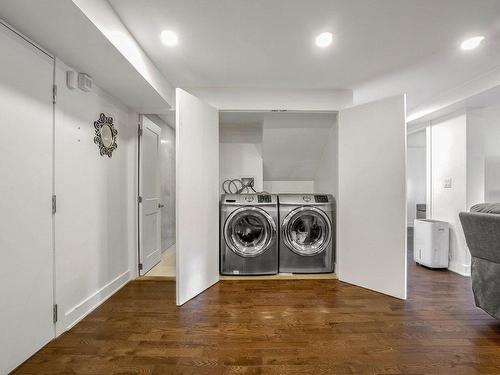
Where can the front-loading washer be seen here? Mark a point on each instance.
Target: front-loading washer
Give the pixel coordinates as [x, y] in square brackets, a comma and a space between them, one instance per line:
[307, 233]
[249, 234]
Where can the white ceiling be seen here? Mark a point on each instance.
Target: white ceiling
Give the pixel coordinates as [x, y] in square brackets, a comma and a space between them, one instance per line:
[269, 43]
[63, 30]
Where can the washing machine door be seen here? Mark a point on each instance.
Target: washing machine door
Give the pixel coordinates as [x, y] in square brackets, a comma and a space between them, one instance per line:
[307, 231]
[249, 231]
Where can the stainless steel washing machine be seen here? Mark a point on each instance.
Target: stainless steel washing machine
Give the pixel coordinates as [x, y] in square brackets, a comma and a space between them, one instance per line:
[307, 233]
[249, 234]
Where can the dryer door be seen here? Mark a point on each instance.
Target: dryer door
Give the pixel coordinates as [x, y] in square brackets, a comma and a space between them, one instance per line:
[307, 231]
[249, 231]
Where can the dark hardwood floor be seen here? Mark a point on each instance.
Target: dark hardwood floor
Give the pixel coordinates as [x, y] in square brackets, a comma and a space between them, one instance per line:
[281, 327]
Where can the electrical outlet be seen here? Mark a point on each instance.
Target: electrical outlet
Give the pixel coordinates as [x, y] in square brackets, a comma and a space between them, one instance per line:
[447, 183]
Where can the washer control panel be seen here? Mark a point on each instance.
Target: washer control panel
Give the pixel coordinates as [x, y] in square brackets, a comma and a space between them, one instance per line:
[321, 198]
[264, 198]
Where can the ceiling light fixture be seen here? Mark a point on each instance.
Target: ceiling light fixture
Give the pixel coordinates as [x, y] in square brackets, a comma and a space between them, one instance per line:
[324, 39]
[169, 38]
[471, 43]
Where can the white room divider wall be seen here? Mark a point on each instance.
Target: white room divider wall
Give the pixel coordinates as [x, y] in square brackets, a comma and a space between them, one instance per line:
[26, 185]
[95, 223]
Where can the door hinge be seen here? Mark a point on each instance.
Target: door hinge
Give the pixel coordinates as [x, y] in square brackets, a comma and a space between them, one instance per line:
[140, 266]
[54, 94]
[54, 204]
[139, 130]
[139, 199]
[54, 313]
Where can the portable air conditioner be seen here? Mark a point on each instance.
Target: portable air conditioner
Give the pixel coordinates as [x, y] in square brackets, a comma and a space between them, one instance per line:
[431, 242]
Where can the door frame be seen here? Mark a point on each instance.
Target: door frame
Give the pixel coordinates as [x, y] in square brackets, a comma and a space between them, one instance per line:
[139, 199]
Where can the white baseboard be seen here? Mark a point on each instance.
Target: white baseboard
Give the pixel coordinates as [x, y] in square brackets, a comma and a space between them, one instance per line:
[81, 310]
[461, 269]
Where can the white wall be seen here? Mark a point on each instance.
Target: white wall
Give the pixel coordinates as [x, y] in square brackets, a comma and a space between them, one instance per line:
[293, 144]
[449, 162]
[239, 160]
[483, 132]
[276, 187]
[476, 158]
[289, 151]
[465, 148]
[26, 227]
[167, 182]
[415, 174]
[326, 179]
[240, 154]
[95, 224]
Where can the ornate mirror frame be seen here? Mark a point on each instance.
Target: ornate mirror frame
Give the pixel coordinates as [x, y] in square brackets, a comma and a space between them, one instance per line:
[106, 146]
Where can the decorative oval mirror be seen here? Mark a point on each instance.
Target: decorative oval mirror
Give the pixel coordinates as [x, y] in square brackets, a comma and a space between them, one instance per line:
[105, 135]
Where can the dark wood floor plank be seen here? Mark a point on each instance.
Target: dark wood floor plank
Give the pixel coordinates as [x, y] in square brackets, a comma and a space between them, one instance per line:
[281, 327]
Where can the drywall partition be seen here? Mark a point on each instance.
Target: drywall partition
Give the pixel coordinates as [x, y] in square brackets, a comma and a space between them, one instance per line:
[293, 143]
[289, 187]
[326, 178]
[416, 174]
[476, 155]
[372, 196]
[26, 241]
[239, 160]
[491, 117]
[240, 153]
[197, 196]
[483, 155]
[95, 236]
[449, 183]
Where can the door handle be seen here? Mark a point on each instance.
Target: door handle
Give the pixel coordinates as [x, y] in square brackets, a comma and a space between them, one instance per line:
[160, 205]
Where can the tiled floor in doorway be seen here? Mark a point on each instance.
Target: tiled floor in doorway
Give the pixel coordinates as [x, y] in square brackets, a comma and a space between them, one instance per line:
[166, 267]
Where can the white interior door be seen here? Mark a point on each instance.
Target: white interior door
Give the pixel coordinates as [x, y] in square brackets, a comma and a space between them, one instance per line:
[149, 193]
[197, 196]
[372, 196]
[26, 155]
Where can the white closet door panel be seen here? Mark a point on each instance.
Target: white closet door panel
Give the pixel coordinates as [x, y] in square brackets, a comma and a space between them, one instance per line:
[197, 196]
[372, 196]
[26, 154]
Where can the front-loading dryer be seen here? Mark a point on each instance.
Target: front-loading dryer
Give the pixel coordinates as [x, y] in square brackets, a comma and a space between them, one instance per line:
[249, 234]
[307, 233]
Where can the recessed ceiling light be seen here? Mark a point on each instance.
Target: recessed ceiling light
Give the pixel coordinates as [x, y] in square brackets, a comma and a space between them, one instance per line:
[169, 38]
[324, 39]
[471, 43]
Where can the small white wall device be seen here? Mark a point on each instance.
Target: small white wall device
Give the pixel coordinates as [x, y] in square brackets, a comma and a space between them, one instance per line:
[431, 243]
[84, 82]
[71, 79]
